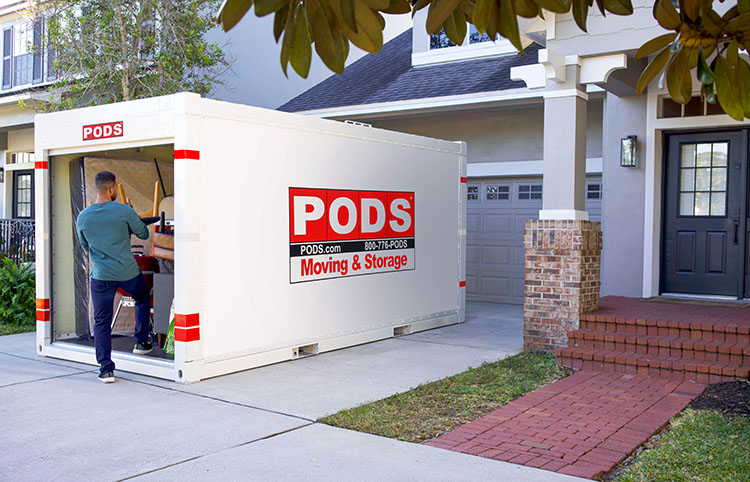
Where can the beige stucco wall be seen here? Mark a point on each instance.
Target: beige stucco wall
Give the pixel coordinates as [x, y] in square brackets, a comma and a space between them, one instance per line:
[514, 134]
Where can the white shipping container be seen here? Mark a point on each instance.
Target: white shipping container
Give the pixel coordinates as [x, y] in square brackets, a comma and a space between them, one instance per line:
[293, 235]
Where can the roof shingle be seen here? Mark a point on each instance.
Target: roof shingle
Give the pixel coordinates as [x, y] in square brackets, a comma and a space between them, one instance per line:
[389, 76]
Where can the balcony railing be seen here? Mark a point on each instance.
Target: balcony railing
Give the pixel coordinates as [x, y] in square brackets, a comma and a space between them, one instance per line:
[17, 240]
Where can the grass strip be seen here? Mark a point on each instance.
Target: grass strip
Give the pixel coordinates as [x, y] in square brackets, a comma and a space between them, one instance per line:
[701, 445]
[438, 407]
[7, 329]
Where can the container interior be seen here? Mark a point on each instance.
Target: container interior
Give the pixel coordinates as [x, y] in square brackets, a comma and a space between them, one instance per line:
[137, 170]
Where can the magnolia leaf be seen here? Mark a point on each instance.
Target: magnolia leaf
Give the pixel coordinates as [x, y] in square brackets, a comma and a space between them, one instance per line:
[419, 6]
[676, 71]
[556, 6]
[279, 21]
[691, 8]
[619, 7]
[467, 7]
[397, 7]
[264, 7]
[378, 4]
[738, 24]
[346, 9]
[286, 43]
[705, 75]
[455, 27]
[232, 12]
[509, 24]
[438, 14]
[602, 10]
[369, 34]
[743, 6]
[525, 8]
[301, 52]
[324, 39]
[711, 21]
[726, 89]
[731, 13]
[743, 79]
[667, 16]
[655, 44]
[483, 13]
[654, 68]
[732, 53]
[580, 12]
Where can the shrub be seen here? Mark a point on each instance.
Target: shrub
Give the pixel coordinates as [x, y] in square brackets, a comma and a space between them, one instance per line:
[17, 293]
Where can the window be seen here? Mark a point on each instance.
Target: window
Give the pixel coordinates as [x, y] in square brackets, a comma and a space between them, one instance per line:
[696, 107]
[23, 194]
[19, 157]
[440, 40]
[23, 54]
[703, 179]
[594, 190]
[529, 192]
[472, 192]
[497, 192]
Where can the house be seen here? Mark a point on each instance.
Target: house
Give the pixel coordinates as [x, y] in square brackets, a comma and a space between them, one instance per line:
[557, 138]
[25, 73]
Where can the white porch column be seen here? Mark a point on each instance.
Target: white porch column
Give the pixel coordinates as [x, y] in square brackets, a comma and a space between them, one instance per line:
[564, 177]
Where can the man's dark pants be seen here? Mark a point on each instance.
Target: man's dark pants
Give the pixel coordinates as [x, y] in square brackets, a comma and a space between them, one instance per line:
[103, 297]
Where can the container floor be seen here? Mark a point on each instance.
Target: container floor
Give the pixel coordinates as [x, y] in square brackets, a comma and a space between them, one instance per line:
[121, 343]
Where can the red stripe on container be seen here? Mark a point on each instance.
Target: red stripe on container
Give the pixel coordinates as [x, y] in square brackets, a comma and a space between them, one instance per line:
[187, 334]
[42, 303]
[461, 284]
[42, 315]
[187, 154]
[187, 321]
[463, 179]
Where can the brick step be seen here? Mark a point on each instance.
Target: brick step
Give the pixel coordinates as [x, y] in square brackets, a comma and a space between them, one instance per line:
[673, 347]
[676, 329]
[643, 364]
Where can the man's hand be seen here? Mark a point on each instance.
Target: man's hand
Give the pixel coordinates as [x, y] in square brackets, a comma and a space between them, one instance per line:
[127, 201]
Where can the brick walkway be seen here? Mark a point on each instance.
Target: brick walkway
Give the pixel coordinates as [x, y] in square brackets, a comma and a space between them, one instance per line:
[581, 425]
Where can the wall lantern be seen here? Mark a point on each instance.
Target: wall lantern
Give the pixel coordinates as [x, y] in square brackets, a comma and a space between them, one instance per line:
[2, 174]
[628, 152]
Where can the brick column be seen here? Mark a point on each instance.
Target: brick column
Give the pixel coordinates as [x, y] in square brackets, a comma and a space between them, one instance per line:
[563, 260]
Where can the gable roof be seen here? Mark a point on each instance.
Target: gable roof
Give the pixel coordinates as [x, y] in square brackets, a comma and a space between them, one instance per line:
[389, 76]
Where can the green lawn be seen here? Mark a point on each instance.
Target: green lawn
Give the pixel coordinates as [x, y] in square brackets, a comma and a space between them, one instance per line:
[435, 408]
[701, 445]
[6, 329]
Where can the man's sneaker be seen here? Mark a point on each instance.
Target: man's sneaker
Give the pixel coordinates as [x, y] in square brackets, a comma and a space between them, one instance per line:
[107, 377]
[143, 348]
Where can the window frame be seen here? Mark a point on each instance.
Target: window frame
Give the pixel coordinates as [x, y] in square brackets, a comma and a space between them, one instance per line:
[16, 174]
[509, 185]
[599, 191]
[530, 192]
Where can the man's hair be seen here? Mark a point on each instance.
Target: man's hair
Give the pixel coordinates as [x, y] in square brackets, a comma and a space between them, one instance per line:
[104, 180]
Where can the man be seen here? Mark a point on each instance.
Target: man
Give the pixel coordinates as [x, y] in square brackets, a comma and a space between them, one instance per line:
[104, 229]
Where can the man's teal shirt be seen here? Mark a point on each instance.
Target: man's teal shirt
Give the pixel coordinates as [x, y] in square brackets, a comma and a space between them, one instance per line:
[104, 230]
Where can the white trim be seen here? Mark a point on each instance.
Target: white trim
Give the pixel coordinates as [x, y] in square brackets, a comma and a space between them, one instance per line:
[425, 104]
[533, 75]
[563, 214]
[598, 69]
[566, 93]
[553, 63]
[463, 52]
[520, 168]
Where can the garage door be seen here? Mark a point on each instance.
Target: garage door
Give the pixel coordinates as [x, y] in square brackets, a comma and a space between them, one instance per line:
[497, 210]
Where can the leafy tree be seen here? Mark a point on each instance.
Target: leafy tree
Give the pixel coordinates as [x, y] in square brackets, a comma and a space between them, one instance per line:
[701, 38]
[116, 50]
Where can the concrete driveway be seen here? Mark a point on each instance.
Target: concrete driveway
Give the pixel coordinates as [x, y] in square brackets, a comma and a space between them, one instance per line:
[60, 423]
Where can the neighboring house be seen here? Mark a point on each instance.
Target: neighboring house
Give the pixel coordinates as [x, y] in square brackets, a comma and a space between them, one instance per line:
[26, 68]
[675, 223]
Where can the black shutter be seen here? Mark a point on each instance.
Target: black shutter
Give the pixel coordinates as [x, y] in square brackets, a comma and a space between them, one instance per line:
[51, 56]
[7, 57]
[37, 75]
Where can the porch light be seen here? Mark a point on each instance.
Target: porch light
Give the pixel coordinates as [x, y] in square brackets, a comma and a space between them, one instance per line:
[628, 153]
[2, 174]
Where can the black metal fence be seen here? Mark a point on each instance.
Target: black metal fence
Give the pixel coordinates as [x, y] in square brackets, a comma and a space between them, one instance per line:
[17, 240]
